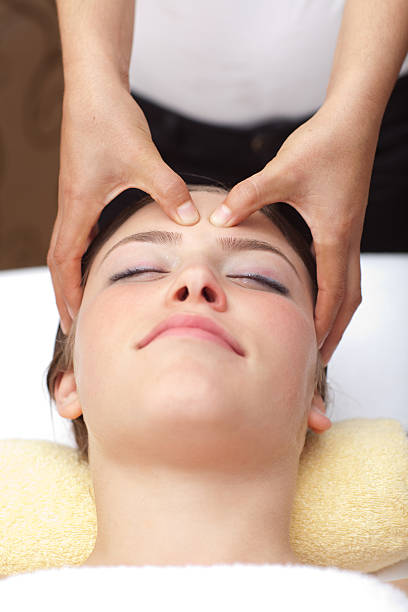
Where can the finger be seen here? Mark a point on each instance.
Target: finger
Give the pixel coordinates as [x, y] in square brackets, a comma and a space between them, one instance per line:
[351, 302]
[331, 262]
[65, 317]
[272, 184]
[72, 238]
[169, 190]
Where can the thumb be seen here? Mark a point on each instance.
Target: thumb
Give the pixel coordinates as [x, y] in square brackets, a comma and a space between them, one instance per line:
[169, 190]
[271, 184]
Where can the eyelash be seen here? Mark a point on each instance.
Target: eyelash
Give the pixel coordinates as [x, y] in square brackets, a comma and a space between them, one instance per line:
[256, 277]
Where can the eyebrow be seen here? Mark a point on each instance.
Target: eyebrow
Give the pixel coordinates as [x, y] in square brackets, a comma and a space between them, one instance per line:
[227, 243]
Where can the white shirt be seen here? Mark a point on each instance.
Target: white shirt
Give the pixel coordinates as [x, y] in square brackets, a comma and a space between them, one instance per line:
[235, 62]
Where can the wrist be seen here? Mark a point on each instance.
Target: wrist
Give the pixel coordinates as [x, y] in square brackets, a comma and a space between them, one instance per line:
[94, 70]
[359, 118]
[355, 99]
[89, 94]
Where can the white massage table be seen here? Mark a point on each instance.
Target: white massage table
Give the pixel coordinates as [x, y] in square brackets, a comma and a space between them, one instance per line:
[368, 373]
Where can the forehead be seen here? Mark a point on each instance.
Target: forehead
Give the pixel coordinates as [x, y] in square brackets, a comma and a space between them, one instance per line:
[204, 233]
[152, 216]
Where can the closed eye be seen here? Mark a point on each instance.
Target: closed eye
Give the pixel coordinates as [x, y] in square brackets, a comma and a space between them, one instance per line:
[265, 281]
[255, 277]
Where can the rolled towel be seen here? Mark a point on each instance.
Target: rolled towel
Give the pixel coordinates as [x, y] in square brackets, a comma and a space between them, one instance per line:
[350, 509]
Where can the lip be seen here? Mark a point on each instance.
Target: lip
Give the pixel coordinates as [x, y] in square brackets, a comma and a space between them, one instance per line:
[193, 321]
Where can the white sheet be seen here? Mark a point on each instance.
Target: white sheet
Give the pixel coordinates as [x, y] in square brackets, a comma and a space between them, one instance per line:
[218, 588]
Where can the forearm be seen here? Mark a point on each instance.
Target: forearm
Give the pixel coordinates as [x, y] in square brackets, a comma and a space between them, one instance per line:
[96, 38]
[371, 46]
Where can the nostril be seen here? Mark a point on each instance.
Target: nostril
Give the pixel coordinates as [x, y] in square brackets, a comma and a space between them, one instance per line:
[207, 292]
[210, 293]
[182, 294]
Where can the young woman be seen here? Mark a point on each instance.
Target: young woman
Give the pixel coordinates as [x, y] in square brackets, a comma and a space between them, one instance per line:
[194, 432]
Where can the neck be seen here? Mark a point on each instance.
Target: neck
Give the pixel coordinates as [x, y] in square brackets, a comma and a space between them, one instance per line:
[153, 515]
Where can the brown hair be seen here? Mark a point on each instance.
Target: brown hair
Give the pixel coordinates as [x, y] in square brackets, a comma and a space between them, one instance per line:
[286, 219]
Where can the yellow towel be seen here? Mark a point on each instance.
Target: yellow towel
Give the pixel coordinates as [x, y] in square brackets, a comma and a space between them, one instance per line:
[350, 508]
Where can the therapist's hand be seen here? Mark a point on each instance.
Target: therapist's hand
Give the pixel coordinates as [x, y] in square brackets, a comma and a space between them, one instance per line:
[323, 170]
[106, 147]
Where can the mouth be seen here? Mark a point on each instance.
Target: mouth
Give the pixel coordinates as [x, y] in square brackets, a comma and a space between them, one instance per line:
[195, 332]
[194, 326]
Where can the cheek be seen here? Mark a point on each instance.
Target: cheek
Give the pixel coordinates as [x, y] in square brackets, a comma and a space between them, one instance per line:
[288, 322]
[103, 332]
[288, 348]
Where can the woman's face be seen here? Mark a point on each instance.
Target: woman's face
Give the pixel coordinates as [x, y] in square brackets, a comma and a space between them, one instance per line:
[182, 390]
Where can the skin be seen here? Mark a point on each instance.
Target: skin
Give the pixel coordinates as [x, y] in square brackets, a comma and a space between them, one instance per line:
[193, 449]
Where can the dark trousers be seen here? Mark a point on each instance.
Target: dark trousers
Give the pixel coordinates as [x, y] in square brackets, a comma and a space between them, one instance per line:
[233, 154]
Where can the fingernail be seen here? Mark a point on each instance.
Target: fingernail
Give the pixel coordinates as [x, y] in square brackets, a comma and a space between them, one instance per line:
[221, 215]
[188, 212]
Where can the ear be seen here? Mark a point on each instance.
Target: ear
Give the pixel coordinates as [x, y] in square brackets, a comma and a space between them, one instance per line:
[317, 419]
[66, 396]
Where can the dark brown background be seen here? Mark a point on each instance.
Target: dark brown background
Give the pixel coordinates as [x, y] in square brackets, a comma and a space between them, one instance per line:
[31, 88]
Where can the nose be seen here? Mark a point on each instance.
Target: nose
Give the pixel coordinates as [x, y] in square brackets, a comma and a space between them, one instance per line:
[196, 284]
